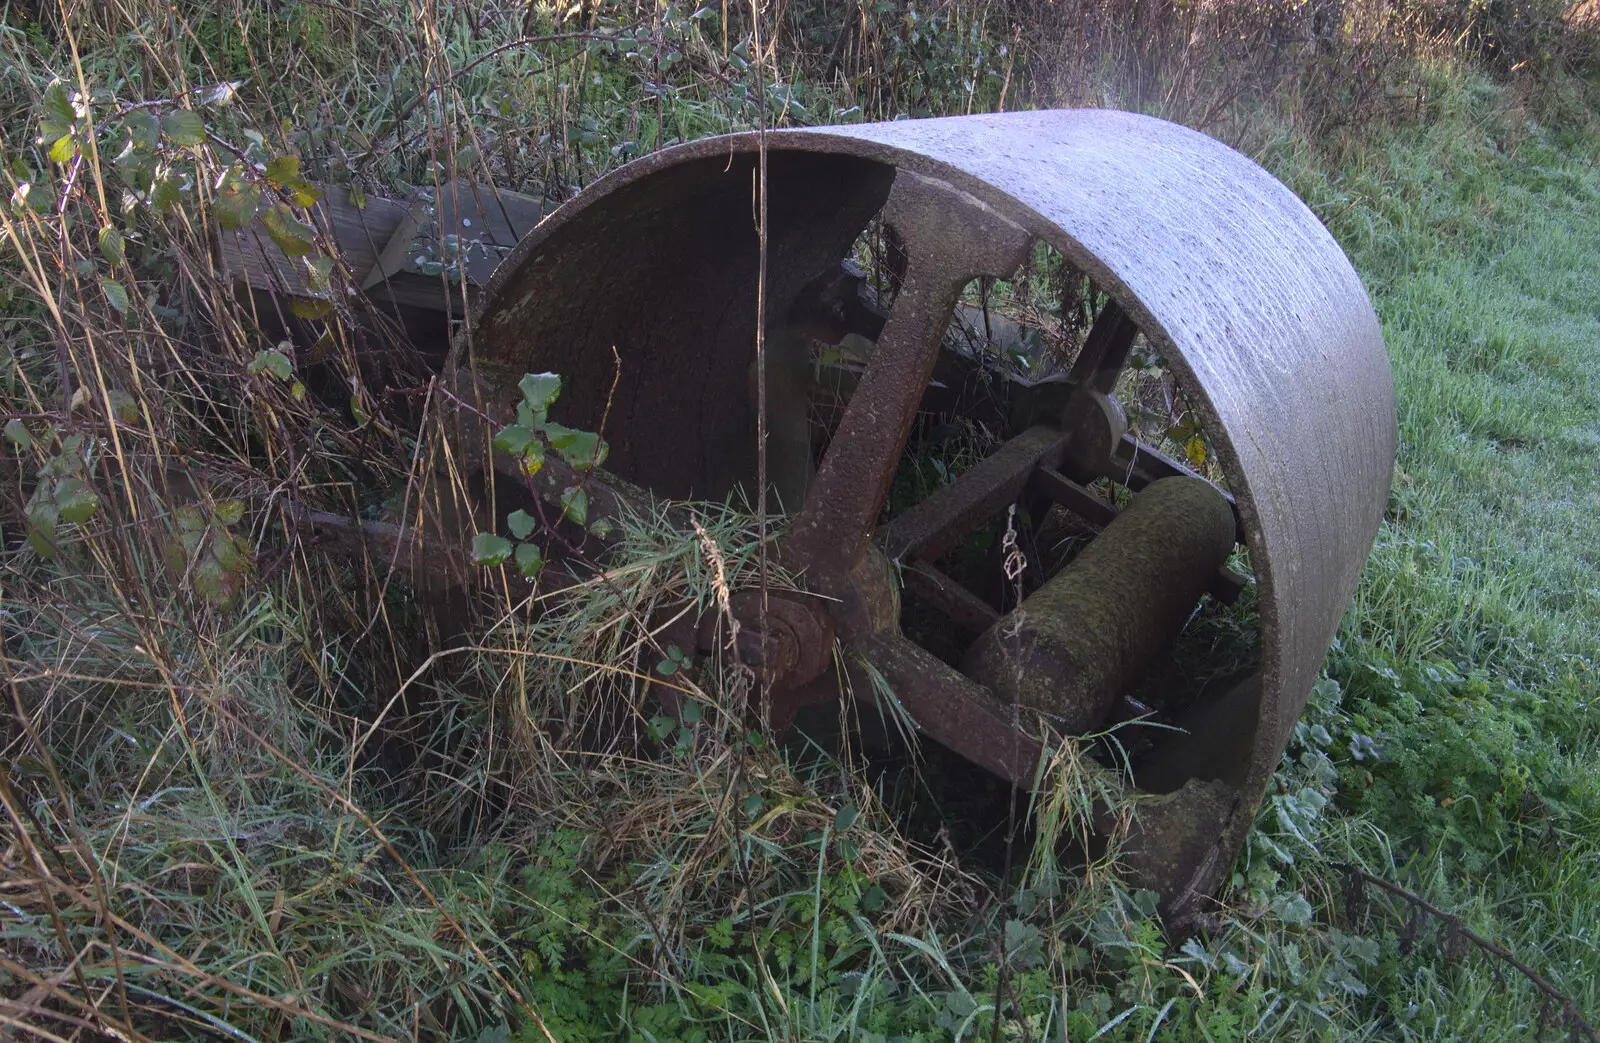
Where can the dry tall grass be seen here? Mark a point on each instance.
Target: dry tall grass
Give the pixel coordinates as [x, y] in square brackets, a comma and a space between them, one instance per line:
[261, 787]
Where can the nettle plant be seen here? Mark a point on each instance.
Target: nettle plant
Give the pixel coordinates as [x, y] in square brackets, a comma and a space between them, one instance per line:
[529, 441]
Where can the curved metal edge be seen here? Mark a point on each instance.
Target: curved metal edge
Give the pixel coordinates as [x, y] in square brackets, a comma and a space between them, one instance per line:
[1236, 282]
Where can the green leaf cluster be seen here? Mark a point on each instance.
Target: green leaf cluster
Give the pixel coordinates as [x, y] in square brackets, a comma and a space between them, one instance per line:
[208, 552]
[62, 495]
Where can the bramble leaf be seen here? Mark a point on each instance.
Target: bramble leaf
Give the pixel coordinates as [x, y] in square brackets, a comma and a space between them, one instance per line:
[115, 293]
[283, 171]
[42, 517]
[111, 247]
[75, 500]
[575, 505]
[529, 559]
[539, 390]
[489, 549]
[235, 207]
[58, 103]
[183, 127]
[292, 235]
[274, 362]
[123, 407]
[513, 439]
[521, 524]
[309, 308]
[581, 449]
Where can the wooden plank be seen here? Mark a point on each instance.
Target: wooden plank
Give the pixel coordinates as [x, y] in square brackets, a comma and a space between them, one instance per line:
[361, 233]
[383, 240]
[486, 221]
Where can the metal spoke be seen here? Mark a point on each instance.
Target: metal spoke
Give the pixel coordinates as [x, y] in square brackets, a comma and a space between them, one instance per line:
[951, 238]
[1105, 350]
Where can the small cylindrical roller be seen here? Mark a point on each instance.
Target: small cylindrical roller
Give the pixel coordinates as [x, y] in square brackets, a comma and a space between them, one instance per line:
[1095, 628]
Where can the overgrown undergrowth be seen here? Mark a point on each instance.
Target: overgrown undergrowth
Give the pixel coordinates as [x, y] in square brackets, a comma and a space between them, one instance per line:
[258, 790]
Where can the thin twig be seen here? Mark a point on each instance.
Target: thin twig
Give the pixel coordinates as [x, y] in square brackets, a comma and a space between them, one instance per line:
[1569, 1008]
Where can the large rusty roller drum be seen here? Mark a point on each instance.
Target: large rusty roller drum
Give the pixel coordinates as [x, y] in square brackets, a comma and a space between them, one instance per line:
[1200, 258]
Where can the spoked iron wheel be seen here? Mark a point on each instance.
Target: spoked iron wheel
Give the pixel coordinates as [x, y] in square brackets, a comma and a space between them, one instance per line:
[652, 275]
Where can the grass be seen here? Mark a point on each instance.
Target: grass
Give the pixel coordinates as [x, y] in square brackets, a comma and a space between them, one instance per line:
[1469, 651]
[207, 835]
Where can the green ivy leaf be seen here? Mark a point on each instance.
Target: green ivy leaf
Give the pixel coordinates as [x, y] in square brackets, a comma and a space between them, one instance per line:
[229, 512]
[115, 293]
[540, 389]
[17, 433]
[111, 247]
[292, 235]
[529, 559]
[489, 549]
[521, 524]
[183, 127]
[76, 501]
[846, 818]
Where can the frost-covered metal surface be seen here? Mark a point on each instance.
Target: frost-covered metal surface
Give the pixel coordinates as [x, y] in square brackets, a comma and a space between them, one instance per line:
[1231, 277]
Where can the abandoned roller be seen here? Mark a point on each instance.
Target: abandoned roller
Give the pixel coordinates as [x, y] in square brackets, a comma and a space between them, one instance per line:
[1178, 253]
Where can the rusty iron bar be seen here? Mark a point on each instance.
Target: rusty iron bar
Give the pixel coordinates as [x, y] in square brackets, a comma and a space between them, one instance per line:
[1060, 489]
[938, 524]
[951, 709]
[964, 608]
[1105, 350]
